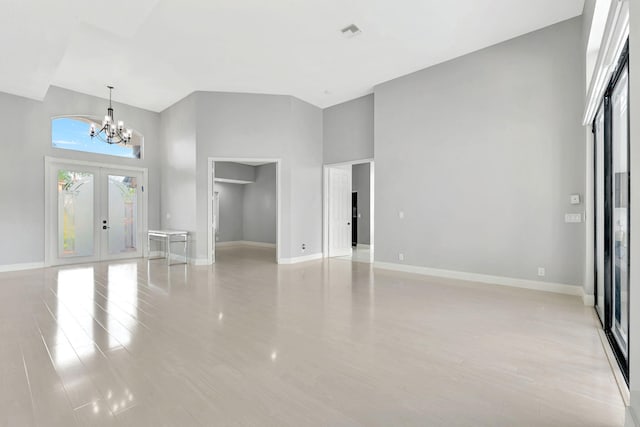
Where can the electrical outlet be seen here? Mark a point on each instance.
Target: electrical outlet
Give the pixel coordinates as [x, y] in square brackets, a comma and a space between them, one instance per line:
[541, 271]
[573, 218]
[304, 247]
[401, 256]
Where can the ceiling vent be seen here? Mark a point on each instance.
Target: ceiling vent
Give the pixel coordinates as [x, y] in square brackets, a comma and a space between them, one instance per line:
[351, 31]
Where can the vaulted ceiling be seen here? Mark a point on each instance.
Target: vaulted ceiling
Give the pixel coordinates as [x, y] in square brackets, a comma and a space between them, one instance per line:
[157, 51]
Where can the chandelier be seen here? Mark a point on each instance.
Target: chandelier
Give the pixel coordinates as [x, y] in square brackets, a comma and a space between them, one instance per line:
[111, 132]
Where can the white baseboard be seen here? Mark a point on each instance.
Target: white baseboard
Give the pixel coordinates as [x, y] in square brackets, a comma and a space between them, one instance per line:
[299, 259]
[245, 243]
[227, 244]
[199, 261]
[259, 244]
[21, 266]
[588, 300]
[559, 288]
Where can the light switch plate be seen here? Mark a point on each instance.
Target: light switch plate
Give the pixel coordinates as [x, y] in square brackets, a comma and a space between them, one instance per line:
[574, 199]
[401, 214]
[573, 218]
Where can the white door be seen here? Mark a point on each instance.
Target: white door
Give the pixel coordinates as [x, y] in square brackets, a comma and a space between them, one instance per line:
[339, 210]
[96, 213]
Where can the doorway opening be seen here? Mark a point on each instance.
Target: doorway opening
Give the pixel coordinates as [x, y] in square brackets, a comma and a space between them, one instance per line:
[348, 217]
[93, 212]
[244, 208]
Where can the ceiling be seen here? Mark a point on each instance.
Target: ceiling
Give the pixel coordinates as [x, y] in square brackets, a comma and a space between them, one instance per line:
[158, 51]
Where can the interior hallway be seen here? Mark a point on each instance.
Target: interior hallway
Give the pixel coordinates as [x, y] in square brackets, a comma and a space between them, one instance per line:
[248, 342]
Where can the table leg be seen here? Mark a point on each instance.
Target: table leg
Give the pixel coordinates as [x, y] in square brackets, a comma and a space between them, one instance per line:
[168, 249]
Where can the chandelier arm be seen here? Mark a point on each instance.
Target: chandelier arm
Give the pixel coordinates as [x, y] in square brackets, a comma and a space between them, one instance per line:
[97, 135]
[118, 139]
[112, 132]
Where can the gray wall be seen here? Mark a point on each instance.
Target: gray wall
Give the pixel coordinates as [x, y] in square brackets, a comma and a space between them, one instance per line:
[27, 140]
[587, 19]
[236, 125]
[348, 131]
[231, 212]
[481, 153]
[178, 160]
[230, 170]
[588, 63]
[259, 214]
[360, 182]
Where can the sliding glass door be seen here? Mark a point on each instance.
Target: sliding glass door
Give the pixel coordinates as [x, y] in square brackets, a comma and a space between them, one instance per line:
[620, 214]
[611, 191]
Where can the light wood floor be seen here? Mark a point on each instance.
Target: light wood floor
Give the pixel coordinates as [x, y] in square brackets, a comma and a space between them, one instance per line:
[333, 343]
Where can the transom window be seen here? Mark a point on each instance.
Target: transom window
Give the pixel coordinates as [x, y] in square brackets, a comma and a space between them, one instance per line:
[72, 133]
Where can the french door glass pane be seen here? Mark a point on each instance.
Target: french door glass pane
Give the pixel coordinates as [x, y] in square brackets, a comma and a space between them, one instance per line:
[620, 231]
[123, 214]
[599, 180]
[75, 213]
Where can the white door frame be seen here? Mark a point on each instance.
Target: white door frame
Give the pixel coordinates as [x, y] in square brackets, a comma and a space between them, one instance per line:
[50, 246]
[325, 201]
[211, 254]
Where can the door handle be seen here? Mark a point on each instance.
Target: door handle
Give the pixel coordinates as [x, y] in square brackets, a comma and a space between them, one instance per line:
[348, 223]
[104, 227]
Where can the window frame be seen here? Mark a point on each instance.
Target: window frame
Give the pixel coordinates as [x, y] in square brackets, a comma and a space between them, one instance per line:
[86, 118]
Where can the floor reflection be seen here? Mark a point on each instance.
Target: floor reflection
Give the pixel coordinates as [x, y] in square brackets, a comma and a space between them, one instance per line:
[75, 312]
[122, 303]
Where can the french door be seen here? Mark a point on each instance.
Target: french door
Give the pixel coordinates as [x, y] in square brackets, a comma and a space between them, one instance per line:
[95, 213]
[612, 208]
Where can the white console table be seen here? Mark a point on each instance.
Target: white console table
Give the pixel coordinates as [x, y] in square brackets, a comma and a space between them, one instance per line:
[168, 237]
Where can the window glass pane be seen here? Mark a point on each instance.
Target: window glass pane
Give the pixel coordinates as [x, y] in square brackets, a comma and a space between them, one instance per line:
[620, 231]
[72, 133]
[123, 214]
[75, 213]
[599, 181]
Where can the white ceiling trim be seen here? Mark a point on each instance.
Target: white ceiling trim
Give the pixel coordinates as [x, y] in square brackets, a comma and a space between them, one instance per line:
[615, 37]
